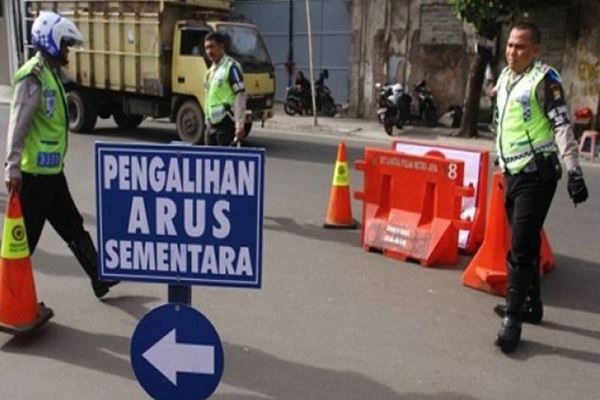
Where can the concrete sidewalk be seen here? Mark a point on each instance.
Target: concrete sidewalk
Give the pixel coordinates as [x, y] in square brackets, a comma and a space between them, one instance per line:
[372, 130]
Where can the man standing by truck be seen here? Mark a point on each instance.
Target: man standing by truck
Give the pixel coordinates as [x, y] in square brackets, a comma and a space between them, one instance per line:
[225, 95]
[37, 144]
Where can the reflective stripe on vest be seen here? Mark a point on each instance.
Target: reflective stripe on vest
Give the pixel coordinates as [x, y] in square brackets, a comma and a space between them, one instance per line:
[220, 96]
[46, 141]
[523, 126]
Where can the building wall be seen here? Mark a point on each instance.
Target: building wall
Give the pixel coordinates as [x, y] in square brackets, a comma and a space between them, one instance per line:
[406, 41]
[331, 34]
[581, 60]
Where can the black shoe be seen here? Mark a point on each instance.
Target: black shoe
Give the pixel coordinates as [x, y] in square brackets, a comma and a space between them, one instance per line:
[533, 312]
[101, 288]
[509, 335]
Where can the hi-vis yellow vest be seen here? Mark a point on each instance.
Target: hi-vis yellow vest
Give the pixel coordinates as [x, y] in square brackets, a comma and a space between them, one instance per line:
[46, 141]
[523, 128]
[220, 96]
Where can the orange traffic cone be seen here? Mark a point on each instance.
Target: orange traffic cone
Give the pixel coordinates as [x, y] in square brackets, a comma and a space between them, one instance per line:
[339, 212]
[487, 269]
[19, 309]
[547, 259]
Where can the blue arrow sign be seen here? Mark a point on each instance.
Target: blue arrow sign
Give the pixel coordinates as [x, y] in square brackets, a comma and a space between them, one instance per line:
[180, 214]
[176, 354]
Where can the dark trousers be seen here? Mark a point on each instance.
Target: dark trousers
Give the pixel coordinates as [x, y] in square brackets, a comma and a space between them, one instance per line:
[527, 202]
[47, 197]
[221, 134]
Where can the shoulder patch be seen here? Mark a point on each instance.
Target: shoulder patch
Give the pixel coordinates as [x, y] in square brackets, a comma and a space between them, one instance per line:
[553, 76]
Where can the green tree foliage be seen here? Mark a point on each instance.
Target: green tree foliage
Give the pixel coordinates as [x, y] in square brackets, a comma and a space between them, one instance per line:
[485, 17]
[484, 14]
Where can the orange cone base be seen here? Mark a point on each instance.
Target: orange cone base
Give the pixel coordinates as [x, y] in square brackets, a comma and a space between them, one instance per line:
[349, 225]
[44, 314]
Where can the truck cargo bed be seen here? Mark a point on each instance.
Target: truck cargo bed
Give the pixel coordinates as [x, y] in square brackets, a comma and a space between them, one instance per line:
[128, 43]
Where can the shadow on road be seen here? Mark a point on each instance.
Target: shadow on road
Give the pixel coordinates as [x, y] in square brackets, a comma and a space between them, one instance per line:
[572, 329]
[94, 351]
[312, 231]
[97, 351]
[134, 306]
[274, 378]
[573, 285]
[530, 349]
[288, 148]
[57, 264]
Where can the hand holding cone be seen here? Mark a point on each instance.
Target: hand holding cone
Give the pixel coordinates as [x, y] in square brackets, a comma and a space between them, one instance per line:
[19, 309]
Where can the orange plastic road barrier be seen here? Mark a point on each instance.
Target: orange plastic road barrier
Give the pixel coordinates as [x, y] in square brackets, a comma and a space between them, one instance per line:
[339, 211]
[411, 206]
[487, 269]
[476, 174]
[19, 309]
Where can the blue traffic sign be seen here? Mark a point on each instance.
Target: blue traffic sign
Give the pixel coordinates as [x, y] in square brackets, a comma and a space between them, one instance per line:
[180, 214]
[177, 354]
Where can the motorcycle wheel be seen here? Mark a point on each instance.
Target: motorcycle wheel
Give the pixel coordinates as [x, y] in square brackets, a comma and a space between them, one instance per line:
[430, 117]
[329, 109]
[388, 124]
[290, 107]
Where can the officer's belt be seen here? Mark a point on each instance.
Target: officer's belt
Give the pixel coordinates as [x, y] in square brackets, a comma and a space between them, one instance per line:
[547, 146]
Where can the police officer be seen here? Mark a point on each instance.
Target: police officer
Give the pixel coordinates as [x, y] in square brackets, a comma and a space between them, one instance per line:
[225, 97]
[37, 143]
[533, 125]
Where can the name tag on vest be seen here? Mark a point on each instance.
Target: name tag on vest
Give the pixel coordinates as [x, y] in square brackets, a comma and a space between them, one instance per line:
[48, 160]
[50, 102]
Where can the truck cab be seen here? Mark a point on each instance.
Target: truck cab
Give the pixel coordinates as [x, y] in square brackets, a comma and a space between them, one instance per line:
[146, 59]
[190, 64]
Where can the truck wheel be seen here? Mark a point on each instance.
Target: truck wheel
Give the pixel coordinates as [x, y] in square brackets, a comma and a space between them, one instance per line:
[190, 122]
[125, 121]
[82, 113]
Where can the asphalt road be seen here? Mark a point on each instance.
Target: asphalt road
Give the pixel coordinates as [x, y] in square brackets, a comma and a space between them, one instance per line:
[331, 321]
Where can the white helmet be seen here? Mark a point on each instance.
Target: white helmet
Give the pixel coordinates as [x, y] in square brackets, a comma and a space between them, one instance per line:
[50, 29]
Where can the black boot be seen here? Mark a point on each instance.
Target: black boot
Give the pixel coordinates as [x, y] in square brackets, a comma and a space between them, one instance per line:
[509, 335]
[85, 252]
[533, 309]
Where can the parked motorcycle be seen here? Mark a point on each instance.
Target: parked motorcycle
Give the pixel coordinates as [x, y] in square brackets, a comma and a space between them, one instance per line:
[427, 108]
[298, 101]
[394, 106]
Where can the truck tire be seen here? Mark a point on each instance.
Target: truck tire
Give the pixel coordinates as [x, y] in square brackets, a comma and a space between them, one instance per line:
[125, 121]
[190, 122]
[82, 113]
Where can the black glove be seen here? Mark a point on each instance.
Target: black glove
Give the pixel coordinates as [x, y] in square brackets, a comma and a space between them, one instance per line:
[576, 186]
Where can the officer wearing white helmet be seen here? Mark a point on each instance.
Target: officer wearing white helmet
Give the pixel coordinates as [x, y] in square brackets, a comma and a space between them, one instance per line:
[37, 144]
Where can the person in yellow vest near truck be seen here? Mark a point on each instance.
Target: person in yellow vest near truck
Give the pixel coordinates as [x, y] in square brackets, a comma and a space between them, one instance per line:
[37, 142]
[225, 101]
[533, 125]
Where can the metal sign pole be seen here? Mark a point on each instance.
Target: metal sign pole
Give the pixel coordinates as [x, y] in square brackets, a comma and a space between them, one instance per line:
[310, 60]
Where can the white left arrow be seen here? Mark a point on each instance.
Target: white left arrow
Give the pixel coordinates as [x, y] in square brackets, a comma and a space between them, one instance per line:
[170, 357]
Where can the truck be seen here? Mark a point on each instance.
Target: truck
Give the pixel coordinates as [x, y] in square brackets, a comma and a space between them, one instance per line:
[145, 59]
